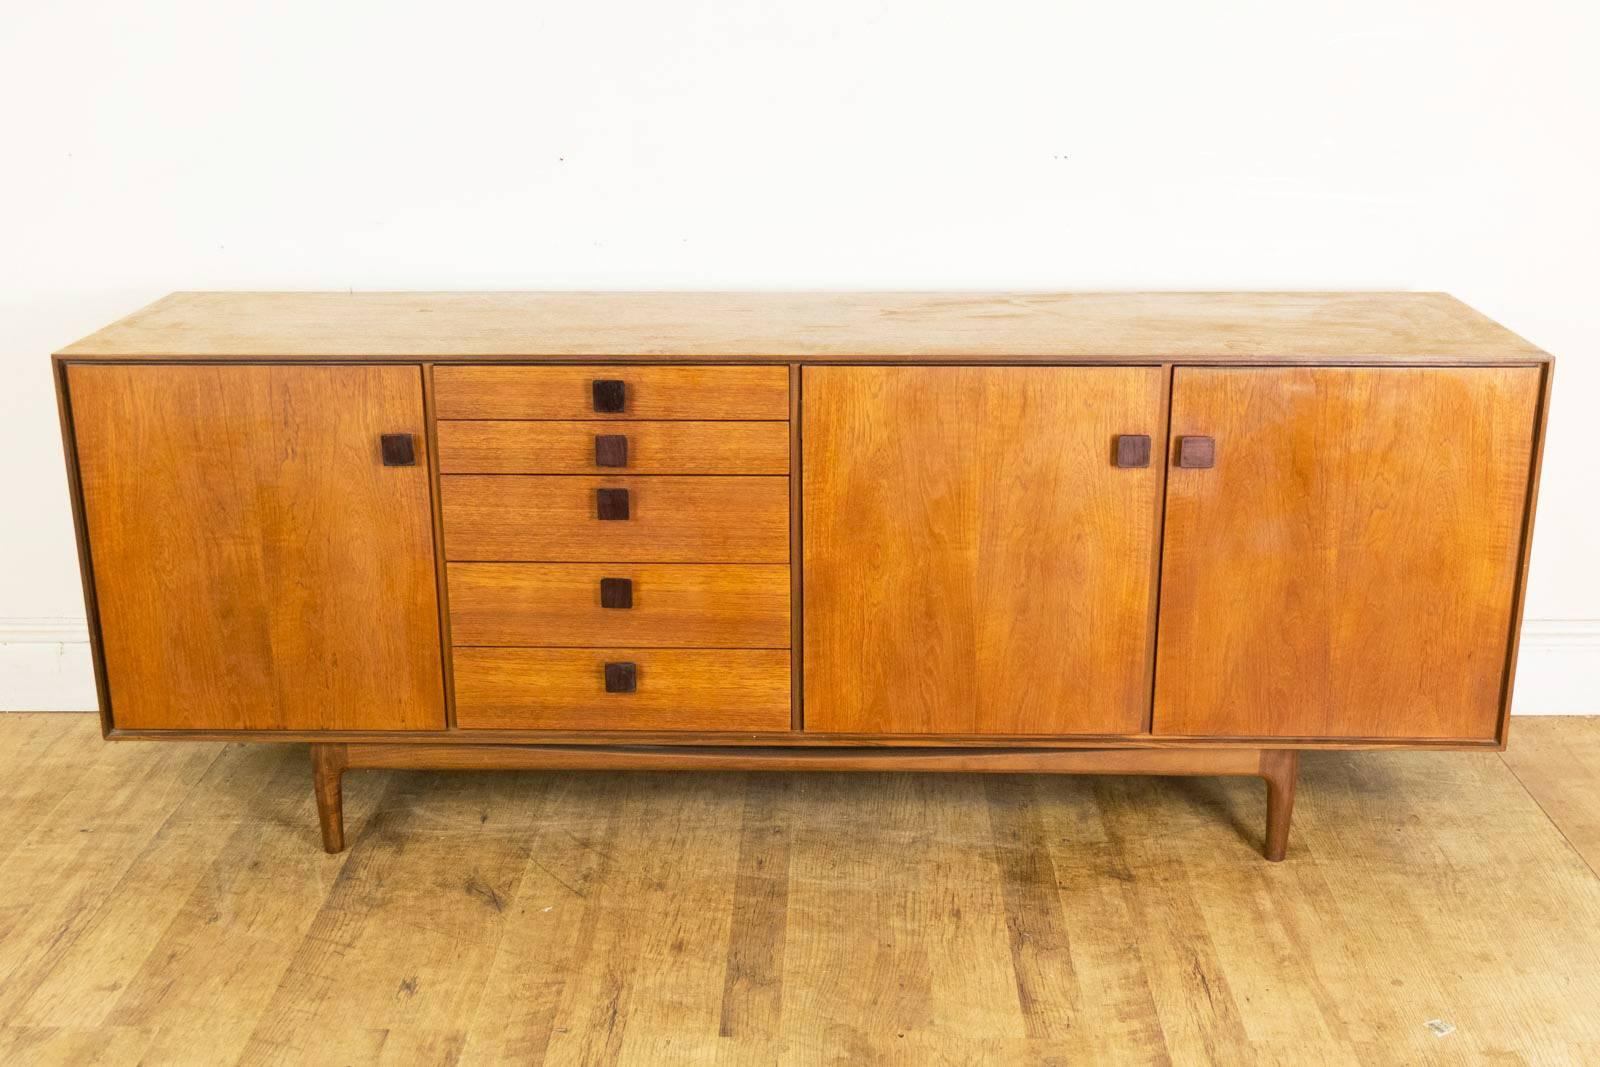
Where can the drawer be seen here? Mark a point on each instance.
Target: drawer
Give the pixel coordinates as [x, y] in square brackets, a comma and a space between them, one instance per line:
[675, 689]
[673, 605]
[555, 518]
[558, 392]
[494, 447]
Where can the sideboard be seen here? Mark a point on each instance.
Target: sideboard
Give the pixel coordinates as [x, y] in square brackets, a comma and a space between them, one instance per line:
[1130, 533]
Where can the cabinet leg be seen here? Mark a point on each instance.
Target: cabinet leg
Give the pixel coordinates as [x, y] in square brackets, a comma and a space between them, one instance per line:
[328, 762]
[1280, 767]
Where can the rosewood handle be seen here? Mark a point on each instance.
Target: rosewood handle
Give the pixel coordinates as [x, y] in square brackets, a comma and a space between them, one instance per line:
[399, 449]
[610, 450]
[1133, 450]
[610, 395]
[622, 677]
[616, 592]
[611, 504]
[1197, 453]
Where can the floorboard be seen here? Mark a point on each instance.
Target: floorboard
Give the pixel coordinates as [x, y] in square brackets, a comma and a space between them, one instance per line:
[1557, 759]
[170, 903]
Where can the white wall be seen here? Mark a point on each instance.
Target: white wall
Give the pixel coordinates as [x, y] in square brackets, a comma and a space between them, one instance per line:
[710, 143]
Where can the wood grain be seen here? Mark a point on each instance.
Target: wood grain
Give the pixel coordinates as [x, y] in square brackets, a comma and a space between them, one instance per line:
[974, 561]
[1348, 567]
[565, 392]
[678, 689]
[673, 605]
[639, 327]
[493, 447]
[170, 903]
[728, 519]
[257, 566]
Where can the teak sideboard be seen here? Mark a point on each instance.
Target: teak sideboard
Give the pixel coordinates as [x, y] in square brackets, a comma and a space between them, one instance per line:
[1160, 533]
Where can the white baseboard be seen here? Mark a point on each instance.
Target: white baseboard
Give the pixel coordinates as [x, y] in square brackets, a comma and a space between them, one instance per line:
[45, 666]
[1558, 668]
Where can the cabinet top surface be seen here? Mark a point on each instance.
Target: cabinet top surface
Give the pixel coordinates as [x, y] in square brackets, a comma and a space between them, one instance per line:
[867, 327]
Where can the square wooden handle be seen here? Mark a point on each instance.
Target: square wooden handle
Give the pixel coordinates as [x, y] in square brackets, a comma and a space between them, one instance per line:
[622, 677]
[611, 504]
[610, 450]
[616, 592]
[399, 449]
[610, 395]
[1197, 453]
[1133, 450]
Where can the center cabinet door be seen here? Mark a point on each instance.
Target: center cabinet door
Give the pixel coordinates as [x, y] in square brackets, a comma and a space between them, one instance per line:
[975, 560]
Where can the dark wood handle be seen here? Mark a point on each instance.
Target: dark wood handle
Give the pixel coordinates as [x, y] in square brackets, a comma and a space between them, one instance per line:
[622, 677]
[610, 450]
[616, 592]
[611, 504]
[610, 394]
[1133, 450]
[1197, 453]
[399, 449]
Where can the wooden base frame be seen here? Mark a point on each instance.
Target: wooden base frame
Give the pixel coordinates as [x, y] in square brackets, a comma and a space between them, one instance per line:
[1279, 767]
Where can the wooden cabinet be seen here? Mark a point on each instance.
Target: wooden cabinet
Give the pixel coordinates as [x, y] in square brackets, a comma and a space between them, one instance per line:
[975, 560]
[256, 564]
[1346, 566]
[1130, 533]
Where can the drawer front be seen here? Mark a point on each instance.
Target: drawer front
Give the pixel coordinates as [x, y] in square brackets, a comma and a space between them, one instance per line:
[546, 392]
[658, 605]
[673, 689]
[496, 447]
[556, 518]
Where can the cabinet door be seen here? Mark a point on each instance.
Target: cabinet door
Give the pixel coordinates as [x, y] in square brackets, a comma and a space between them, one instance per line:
[256, 564]
[975, 561]
[1348, 564]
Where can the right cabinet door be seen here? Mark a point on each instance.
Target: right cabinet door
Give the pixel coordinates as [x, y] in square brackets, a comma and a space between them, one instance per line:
[1346, 565]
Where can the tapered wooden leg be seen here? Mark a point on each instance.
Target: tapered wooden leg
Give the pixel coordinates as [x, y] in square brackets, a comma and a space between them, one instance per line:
[1280, 767]
[327, 778]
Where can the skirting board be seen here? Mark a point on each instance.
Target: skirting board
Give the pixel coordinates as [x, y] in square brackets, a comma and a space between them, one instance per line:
[45, 666]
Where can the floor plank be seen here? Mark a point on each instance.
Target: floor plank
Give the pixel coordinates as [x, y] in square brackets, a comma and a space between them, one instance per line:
[403, 942]
[169, 903]
[1557, 759]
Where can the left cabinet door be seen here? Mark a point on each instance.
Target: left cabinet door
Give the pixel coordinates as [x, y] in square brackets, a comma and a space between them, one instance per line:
[257, 565]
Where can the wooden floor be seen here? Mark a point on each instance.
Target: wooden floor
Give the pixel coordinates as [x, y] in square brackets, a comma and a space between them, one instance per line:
[170, 903]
